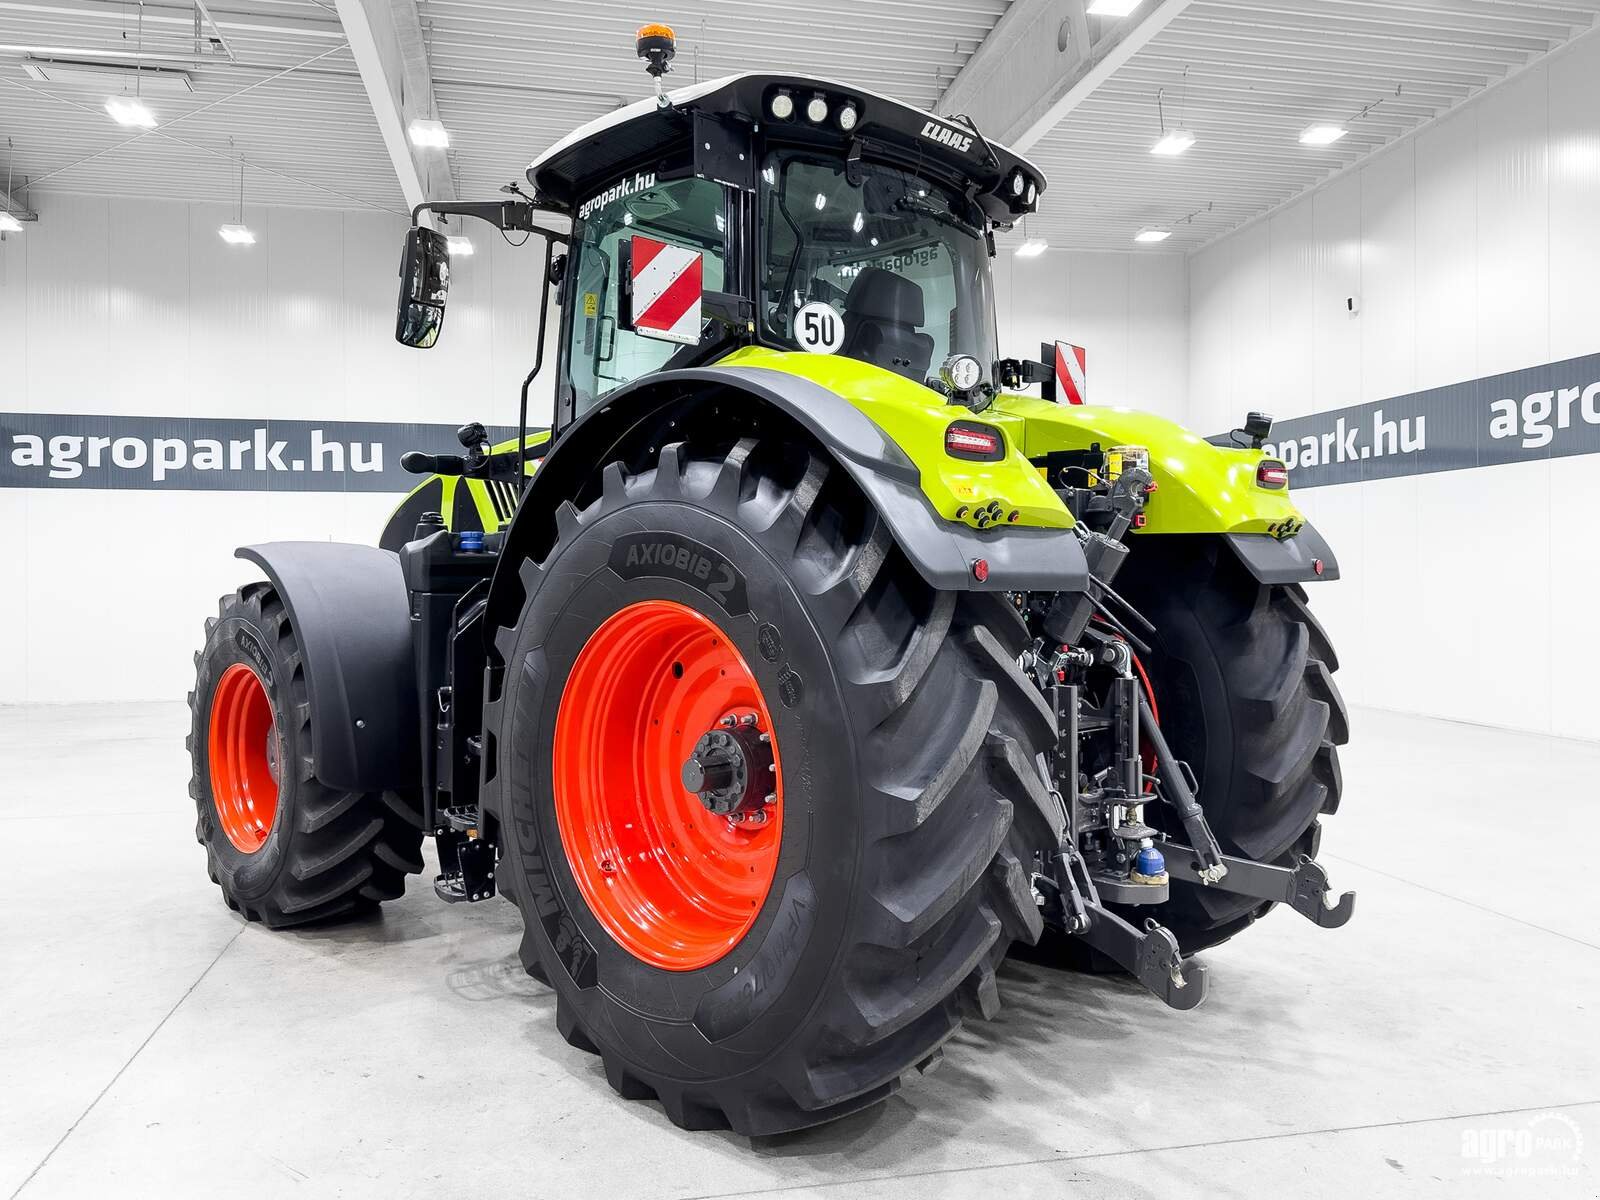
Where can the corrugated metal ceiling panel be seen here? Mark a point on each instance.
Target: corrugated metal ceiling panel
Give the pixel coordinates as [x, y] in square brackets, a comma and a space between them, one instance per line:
[512, 77]
[1247, 77]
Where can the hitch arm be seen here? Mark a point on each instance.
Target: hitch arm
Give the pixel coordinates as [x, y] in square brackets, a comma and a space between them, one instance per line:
[1303, 887]
[1150, 955]
[1175, 790]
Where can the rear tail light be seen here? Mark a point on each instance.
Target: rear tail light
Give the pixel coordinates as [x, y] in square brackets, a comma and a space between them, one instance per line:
[973, 441]
[1270, 473]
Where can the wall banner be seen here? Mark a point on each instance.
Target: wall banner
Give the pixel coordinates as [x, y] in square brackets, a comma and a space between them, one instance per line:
[1551, 411]
[207, 454]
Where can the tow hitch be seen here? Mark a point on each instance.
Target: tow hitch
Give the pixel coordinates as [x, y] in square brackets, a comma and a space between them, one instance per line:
[1303, 887]
[1109, 859]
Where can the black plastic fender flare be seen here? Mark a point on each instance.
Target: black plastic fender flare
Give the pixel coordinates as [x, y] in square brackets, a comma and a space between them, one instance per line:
[352, 613]
[943, 552]
[1292, 560]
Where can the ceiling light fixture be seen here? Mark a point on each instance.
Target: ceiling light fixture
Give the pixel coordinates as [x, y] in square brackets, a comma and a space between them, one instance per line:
[1174, 143]
[1322, 135]
[237, 233]
[8, 223]
[132, 111]
[1112, 8]
[1152, 234]
[127, 111]
[429, 134]
[1031, 247]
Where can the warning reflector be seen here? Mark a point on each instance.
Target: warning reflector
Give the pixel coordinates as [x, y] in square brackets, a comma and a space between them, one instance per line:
[666, 285]
[1072, 373]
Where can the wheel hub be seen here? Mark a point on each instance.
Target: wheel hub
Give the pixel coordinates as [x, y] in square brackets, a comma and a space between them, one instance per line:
[731, 769]
[243, 752]
[668, 785]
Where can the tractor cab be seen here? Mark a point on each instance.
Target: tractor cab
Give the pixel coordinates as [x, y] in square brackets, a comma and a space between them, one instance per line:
[774, 210]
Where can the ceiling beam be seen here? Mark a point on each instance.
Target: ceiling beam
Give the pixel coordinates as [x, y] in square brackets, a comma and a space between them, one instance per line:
[1041, 60]
[386, 39]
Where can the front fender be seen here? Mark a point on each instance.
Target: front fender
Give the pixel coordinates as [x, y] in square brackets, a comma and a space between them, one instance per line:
[349, 608]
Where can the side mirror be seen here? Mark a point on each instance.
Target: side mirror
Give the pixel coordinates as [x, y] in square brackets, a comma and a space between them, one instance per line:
[664, 285]
[424, 285]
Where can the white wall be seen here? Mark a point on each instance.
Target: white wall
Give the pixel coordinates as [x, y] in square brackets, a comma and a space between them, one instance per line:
[1475, 248]
[138, 307]
[1130, 311]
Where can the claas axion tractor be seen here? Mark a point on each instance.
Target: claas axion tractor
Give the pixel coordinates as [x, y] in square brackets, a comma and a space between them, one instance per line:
[808, 663]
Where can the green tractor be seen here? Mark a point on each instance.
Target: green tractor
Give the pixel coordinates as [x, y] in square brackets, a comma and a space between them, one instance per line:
[809, 663]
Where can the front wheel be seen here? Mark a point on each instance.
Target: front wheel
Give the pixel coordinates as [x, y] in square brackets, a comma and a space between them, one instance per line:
[758, 789]
[284, 847]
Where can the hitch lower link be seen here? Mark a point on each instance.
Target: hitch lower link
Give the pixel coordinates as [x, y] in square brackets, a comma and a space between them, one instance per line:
[1150, 955]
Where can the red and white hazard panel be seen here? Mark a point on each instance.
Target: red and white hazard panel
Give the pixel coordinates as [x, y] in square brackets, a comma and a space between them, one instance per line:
[1072, 373]
[667, 287]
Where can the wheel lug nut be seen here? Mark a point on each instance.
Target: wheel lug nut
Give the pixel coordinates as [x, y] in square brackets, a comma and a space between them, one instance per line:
[765, 738]
[771, 798]
[748, 719]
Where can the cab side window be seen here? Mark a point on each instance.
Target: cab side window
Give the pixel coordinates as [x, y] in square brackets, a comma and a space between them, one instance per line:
[692, 213]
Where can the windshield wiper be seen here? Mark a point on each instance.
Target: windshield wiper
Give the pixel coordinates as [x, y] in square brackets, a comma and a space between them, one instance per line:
[924, 209]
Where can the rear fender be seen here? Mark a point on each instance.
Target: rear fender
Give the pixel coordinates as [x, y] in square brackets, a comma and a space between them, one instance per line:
[350, 610]
[1200, 488]
[1304, 558]
[735, 400]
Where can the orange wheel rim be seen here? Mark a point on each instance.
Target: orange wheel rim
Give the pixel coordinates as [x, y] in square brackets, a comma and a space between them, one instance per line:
[243, 754]
[675, 883]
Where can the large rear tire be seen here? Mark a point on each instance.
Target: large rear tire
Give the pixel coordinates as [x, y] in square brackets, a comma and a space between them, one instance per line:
[284, 847]
[1243, 675]
[904, 734]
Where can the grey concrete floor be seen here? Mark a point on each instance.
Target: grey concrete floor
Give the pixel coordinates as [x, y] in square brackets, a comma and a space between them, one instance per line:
[1446, 1042]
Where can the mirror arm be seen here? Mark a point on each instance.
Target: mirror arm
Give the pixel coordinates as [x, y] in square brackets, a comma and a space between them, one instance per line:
[731, 309]
[538, 362]
[502, 214]
[1022, 372]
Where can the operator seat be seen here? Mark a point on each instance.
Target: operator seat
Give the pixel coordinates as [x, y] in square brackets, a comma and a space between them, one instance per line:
[881, 314]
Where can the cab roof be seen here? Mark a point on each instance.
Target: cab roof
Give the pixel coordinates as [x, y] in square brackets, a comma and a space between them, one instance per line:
[595, 154]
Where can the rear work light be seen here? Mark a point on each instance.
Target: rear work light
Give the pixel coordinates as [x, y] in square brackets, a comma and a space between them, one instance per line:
[975, 442]
[1270, 473]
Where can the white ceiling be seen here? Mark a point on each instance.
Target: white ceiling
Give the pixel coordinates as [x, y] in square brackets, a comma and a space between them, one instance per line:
[1246, 77]
[308, 137]
[511, 76]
